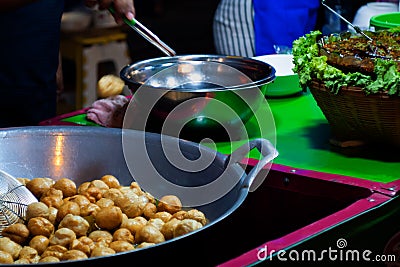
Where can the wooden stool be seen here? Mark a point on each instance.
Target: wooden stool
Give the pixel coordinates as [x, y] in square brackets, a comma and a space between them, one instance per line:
[89, 49]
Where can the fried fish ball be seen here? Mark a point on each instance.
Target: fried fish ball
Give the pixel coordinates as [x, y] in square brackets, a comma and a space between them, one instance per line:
[89, 210]
[49, 259]
[149, 210]
[52, 198]
[37, 209]
[104, 202]
[62, 237]
[11, 247]
[84, 244]
[101, 235]
[23, 261]
[150, 234]
[134, 224]
[54, 251]
[81, 200]
[39, 243]
[186, 226]
[76, 223]
[102, 251]
[67, 186]
[40, 226]
[145, 245]
[169, 227]
[17, 232]
[180, 215]
[53, 214]
[92, 193]
[68, 207]
[100, 185]
[169, 203]
[73, 254]
[83, 187]
[196, 215]
[121, 245]
[111, 181]
[6, 258]
[123, 234]
[30, 254]
[109, 85]
[23, 181]
[114, 194]
[156, 222]
[132, 207]
[109, 218]
[39, 185]
[163, 215]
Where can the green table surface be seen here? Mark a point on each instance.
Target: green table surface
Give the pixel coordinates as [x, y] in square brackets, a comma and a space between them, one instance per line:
[302, 139]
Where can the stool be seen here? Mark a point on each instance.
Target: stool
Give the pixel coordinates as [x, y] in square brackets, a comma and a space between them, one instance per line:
[88, 50]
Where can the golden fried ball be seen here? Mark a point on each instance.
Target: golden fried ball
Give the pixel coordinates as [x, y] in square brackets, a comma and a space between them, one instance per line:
[29, 253]
[163, 215]
[17, 232]
[100, 235]
[111, 181]
[52, 214]
[49, 259]
[101, 251]
[82, 201]
[123, 234]
[121, 245]
[169, 227]
[196, 215]
[180, 215]
[68, 207]
[134, 224]
[67, 186]
[76, 223]
[40, 226]
[114, 194]
[6, 258]
[84, 244]
[39, 243]
[150, 234]
[169, 203]
[145, 245]
[109, 85]
[109, 218]
[37, 209]
[39, 185]
[100, 185]
[89, 210]
[54, 251]
[73, 254]
[104, 202]
[156, 222]
[186, 226]
[9, 246]
[62, 237]
[149, 210]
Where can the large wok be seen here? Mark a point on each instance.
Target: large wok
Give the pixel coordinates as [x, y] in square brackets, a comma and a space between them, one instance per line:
[87, 153]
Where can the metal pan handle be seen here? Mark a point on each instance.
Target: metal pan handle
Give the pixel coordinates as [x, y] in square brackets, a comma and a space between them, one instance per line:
[268, 152]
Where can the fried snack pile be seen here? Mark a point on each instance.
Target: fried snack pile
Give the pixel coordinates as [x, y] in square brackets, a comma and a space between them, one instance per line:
[94, 219]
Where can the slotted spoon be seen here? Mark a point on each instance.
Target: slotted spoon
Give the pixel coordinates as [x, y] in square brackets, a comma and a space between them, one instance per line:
[14, 200]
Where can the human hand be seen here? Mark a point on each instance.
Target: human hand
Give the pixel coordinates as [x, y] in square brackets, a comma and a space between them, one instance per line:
[123, 8]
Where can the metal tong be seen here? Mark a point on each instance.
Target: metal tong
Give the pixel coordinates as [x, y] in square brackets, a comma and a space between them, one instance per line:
[356, 28]
[147, 34]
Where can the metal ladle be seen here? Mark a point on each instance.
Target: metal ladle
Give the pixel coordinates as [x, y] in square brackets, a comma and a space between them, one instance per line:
[147, 34]
[356, 28]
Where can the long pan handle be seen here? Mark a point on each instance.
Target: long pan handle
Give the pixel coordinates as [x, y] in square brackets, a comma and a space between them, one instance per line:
[268, 151]
[147, 34]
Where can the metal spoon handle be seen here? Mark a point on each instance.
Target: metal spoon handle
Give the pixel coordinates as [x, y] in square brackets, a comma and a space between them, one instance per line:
[356, 28]
[147, 34]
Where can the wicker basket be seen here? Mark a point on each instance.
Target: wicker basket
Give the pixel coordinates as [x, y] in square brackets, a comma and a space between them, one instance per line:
[355, 116]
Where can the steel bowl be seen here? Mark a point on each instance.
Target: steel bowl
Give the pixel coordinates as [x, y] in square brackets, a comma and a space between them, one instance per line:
[87, 153]
[203, 95]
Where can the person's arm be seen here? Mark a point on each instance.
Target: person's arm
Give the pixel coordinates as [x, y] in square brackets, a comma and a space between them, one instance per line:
[123, 8]
[10, 5]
